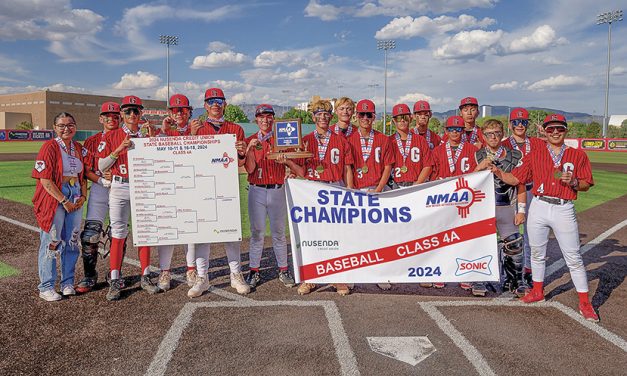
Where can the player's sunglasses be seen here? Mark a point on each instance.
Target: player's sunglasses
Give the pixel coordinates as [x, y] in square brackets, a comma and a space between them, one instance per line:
[212, 101]
[110, 114]
[492, 134]
[66, 126]
[553, 129]
[398, 118]
[454, 129]
[367, 115]
[179, 110]
[523, 122]
[132, 110]
[322, 113]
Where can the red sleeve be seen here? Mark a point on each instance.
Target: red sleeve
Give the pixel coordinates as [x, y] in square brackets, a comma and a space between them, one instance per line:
[426, 157]
[348, 152]
[473, 160]
[584, 170]
[523, 172]
[46, 162]
[388, 152]
[108, 145]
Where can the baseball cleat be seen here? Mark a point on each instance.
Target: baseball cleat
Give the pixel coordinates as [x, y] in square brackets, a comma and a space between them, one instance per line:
[238, 283]
[479, 289]
[439, 285]
[114, 290]
[384, 286]
[86, 284]
[253, 278]
[149, 286]
[426, 285]
[286, 278]
[533, 296]
[466, 286]
[50, 295]
[191, 276]
[587, 311]
[342, 289]
[200, 286]
[305, 288]
[165, 280]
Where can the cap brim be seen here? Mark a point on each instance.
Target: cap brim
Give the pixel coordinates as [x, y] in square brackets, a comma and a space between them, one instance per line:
[564, 124]
[131, 105]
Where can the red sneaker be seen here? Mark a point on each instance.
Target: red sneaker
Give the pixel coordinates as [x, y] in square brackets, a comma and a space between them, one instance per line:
[587, 311]
[533, 296]
[465, 286]
[439, 285]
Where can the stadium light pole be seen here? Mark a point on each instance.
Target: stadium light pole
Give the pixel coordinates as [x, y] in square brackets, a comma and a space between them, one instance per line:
[608, 18]
[168, 40]
[385, 45]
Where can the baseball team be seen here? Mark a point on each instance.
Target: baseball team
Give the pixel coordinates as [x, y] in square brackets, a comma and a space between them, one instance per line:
[536, 182]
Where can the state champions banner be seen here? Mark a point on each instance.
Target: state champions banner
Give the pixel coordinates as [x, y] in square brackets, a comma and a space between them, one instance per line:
[441, 231]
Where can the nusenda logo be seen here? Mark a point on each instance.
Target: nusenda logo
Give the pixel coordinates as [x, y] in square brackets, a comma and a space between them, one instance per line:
[480, 266]
[225, 160]
[463, 197]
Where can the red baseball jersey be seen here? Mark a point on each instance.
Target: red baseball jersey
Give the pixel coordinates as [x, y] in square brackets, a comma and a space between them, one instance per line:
[433, 139]
[112, 140]
[468, 135]
[49, 165]
[337, 156]
[465, 163]
[338, 131]
[381, 155]
[92, 143]
[534, 144]
[418, 157]
[175, 132]
[226, 128]
[539, 168]
[267, 171]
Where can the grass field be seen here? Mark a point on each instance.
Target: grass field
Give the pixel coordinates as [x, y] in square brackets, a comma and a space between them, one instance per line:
[7, 271]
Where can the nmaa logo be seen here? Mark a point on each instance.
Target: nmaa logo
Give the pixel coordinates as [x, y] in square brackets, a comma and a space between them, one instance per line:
[289, 129]
[224, 159]
[463, 197]
[480, 265]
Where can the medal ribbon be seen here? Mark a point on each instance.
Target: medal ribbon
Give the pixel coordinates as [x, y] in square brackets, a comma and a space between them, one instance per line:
[129, 132]
[404, 150]
[449, 155]
[70, 154]
[512, 141]
[337, 130]
[263, 138]
[557, 159]
[366, 145]
[496, 154]
[323, 143]
[183, 130]
[427, 136]
[473, 136]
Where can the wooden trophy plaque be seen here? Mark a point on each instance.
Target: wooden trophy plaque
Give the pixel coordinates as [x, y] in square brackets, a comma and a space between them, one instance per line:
[288, 140]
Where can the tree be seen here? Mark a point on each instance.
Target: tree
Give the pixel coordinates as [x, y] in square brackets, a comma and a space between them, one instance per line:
[294, 113]
[434, 125]
[25, 125]
[593, 130]
[235, 114]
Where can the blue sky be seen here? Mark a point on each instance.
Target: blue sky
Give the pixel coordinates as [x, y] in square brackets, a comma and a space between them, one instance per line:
[513, 53]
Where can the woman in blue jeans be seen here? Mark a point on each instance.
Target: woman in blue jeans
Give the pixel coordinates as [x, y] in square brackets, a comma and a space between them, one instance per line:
[59, 197]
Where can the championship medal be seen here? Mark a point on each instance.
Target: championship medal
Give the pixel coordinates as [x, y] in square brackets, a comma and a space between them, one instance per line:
[364, 169]
[319, 169]
[404, 169]
[72, 182]
[557, 174]
[259, 146]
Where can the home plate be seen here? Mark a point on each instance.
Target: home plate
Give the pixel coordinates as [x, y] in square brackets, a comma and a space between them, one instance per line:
[411, 350]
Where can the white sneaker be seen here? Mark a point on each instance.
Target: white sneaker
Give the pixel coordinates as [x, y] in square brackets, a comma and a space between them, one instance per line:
[49, 295]
[191, 276]
[201, 285]
[164, 280]
[384, 286]
[68, 290]
[238, 283]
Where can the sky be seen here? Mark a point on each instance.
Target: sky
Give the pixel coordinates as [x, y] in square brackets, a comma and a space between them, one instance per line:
[504, 52]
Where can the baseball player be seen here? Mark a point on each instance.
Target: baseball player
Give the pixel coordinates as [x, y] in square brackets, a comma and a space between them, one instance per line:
[177, 123]
[422, 115]
[331, 163]
[59, 196]
[345, 109]
[558, 173]
[469, 110]
[266, 198]
[519, 123]
[98, 203]
[510, 208]
[215, 104]
[454, 157]
[113, 156]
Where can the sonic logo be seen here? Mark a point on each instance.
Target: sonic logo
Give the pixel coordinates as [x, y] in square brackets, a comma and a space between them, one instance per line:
[480, 266]
[463, 197]
[224, 159]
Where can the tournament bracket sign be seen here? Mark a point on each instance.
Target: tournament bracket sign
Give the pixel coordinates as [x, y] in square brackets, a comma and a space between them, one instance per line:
[442, 231]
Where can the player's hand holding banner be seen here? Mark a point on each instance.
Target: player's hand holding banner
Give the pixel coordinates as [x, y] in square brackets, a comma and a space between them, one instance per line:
[443, 231]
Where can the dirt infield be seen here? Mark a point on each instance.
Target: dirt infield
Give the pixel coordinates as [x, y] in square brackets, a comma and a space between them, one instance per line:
[229, 334]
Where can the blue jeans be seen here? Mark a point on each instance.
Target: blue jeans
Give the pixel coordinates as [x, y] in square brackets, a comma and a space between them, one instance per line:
[62, 240]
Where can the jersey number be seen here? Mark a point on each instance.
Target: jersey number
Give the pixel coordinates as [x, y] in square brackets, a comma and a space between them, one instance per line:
[541, 188]
[123, 170]
[259, 172]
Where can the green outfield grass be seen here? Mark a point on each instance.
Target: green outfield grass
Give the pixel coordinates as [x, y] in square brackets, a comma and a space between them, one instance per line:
[11, 147]
[7, 271]
[607, 157]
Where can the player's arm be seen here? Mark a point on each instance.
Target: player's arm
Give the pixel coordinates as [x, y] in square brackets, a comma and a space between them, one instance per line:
[348, 176]
[89, 174]
[54, 191]
[108, 161]
[507, 177]
[424, 174]
[384, 178]
[521, 195]
[294, 167]
[251, 163]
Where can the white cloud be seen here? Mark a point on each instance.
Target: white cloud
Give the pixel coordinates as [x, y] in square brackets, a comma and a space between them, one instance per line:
[54, 87]
[324, 12]
[541, 39]
[139, 80]
[468, 44]
[405, 7]
[559, 82]
[505, 86]
[408, 27]
[217, 46]
[10, 65]
[269, 76]
[618, 71]
[548, 60]
[219, 60]
[289, 58]
[411, 98]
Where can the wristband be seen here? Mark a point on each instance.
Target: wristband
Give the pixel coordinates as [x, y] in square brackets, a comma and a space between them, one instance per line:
[64, 201]
[574, 183]
[239, 156]
[113, 156]
[522, 208]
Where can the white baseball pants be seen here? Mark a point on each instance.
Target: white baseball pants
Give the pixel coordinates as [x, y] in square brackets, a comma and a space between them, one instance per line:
[264, 202]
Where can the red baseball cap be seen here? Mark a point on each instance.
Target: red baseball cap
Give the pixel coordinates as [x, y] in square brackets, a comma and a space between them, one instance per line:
[400, 109]
[109, 107]
[422, 106]
[131, 101]
[179, 101]
[365, 105]
[519, 113]
[264, 109]
[214, 92]
[468, 100]
[454, 121]
[555, 118]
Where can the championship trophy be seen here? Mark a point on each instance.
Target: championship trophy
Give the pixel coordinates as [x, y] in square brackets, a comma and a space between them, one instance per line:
[288, 140]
